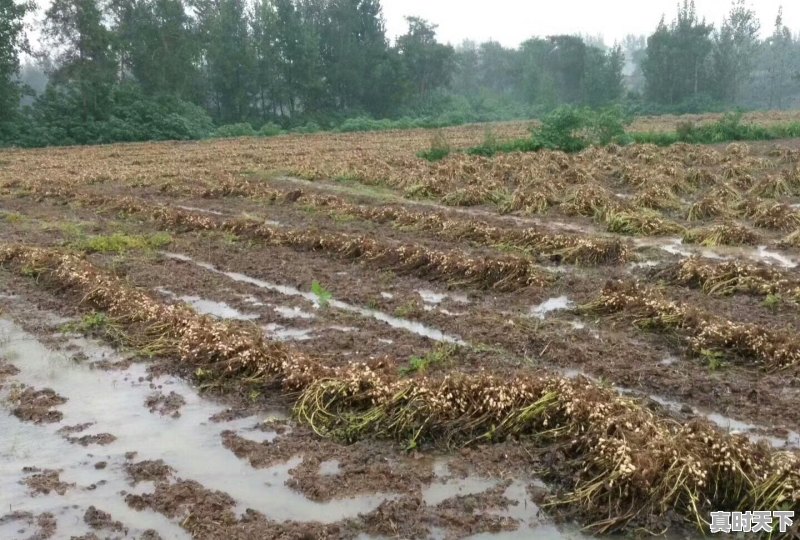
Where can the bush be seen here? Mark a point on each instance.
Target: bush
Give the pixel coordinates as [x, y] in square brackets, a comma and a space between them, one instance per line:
[572, 129]
[270, 129]
[308, 127]
[243, 129]
[438, 150]
[360, 123]
[55, 119]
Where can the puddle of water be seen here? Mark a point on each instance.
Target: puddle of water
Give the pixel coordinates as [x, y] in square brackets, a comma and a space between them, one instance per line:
[293, 313]
[574, 373]
[430, 297]
[768, 256]
[433, 298]
[28, 445]
[731, 425]
[344, 329]
[395, 322]
[676, 246]
[451, 313]
[726, 423]
[525, 511]
[440, 491]
[668, 361]
[645, 264]
[201, 210]
[553, 304]
[253, 301]
[220, 310]
[114, 402]
[282, 333]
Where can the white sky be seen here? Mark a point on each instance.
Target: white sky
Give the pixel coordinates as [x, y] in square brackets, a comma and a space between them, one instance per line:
[513, 21]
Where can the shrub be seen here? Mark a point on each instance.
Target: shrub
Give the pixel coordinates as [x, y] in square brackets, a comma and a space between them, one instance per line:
[360, 123]
[270, 129]
[438, 150]
[243, 129]
[308, 127]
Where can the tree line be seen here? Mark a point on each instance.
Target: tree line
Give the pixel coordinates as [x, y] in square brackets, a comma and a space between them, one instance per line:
[131, 70]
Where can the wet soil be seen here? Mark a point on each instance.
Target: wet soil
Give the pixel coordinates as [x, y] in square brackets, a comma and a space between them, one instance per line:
[164, 405]
[99, 520]
[42, 482]
[34, 527]
[241, 452]
[37, 406]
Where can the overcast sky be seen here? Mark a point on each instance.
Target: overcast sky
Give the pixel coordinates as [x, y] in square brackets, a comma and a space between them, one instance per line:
[513, 21]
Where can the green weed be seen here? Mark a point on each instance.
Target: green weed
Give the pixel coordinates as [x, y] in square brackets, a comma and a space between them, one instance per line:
[713, 359]
[438, 150]
[119, 243]
[323, 295]
[89, 324]
[406, 310]
[773, 302]
[421, 364]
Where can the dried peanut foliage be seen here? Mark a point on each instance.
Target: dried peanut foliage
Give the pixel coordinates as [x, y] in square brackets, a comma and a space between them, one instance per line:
[616, 461]
[615, 464]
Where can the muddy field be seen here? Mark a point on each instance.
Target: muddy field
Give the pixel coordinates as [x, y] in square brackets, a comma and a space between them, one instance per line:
[328, 337]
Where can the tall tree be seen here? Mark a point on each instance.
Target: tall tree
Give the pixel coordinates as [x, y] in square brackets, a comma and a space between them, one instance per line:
[498, 68]
[428, 64]
[228, 56]
[265, 47]
[12, 41]
[675, 67]
[353, 47]
[158, 46]
[735, 48]
[85, 62]
[602, 81]
[635, 50]
[466, 79]
[779, 62]
[297, 43]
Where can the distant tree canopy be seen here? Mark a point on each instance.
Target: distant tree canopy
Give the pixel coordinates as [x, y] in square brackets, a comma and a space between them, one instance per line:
[151, 69]
[12, 41]
[689, 61]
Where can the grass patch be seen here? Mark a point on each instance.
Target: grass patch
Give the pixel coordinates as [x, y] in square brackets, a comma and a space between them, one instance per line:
[438, 150]
[89, 324]
[407, 310]
[421, 364]
[120, 243]
[572, 129]
[11, 217]
[773, 302]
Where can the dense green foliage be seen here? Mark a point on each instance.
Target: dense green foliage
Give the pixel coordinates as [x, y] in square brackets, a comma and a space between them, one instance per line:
[11, 39]
[572, 129]
[132, 70]
[569, 129]
[729, 128]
